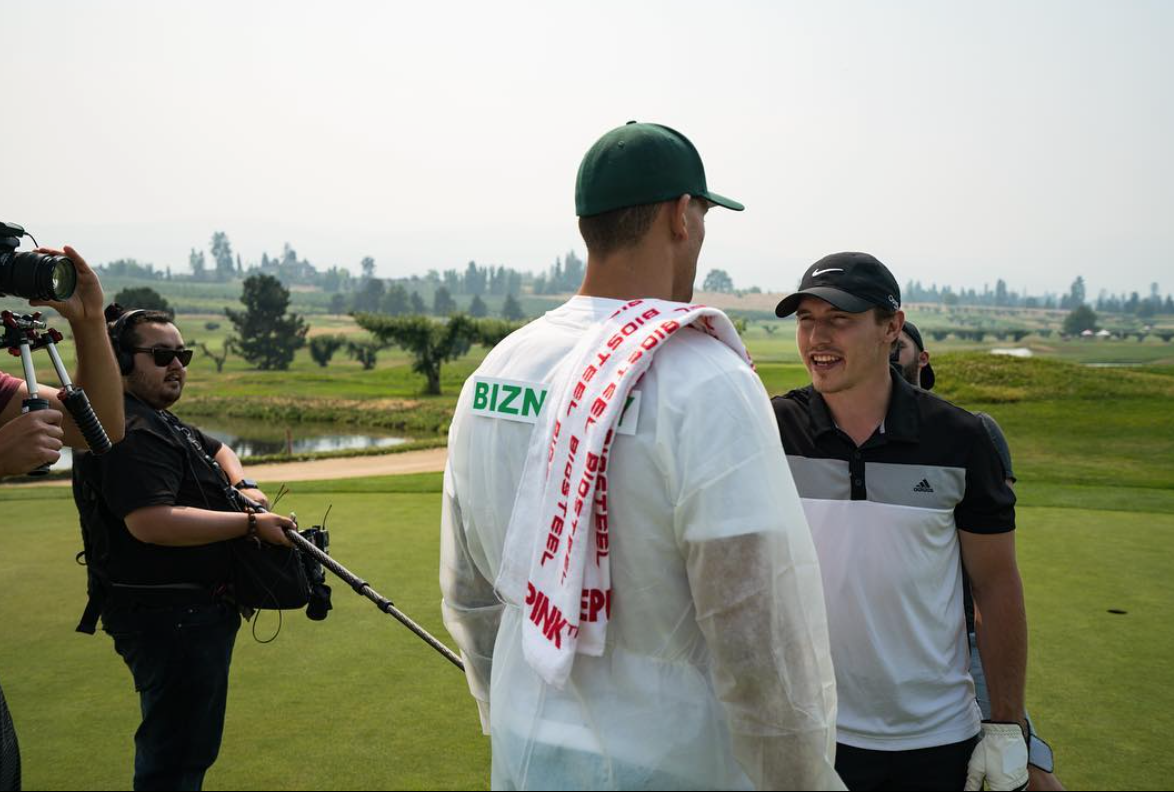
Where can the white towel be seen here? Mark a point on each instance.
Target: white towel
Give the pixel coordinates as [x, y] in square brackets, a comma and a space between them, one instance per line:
[555, 563]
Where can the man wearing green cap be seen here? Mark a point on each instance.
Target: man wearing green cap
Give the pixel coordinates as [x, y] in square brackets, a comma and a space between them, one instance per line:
[694, 652]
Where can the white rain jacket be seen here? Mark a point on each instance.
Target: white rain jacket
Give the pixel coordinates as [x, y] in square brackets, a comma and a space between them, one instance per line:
[717, 672]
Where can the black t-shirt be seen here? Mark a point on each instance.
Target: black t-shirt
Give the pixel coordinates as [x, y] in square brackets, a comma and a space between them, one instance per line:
[155, 466]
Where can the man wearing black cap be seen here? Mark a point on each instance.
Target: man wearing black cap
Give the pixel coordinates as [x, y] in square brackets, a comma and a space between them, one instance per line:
[714, 671]
[912, 358]
[897, 485]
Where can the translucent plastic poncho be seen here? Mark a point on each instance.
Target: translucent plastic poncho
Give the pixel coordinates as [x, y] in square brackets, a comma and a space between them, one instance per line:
[717, 672]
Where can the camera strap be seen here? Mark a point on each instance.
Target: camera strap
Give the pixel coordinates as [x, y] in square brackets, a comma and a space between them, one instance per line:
[193, 444]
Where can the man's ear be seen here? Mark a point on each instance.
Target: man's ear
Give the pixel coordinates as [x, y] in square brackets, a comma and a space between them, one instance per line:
[679, 217]
[894, 326]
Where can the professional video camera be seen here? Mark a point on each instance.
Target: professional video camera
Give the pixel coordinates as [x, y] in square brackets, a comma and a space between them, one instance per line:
[33, 276]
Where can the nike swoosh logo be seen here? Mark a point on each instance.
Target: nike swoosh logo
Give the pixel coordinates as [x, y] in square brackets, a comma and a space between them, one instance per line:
[817, 273]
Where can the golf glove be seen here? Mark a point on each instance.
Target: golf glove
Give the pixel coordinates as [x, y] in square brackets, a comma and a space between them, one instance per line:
[1000, 758]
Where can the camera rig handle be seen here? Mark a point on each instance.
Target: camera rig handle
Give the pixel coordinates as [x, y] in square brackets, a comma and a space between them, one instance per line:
[25, 334]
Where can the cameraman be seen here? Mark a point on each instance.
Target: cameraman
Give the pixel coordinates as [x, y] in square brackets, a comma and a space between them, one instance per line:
[33, 439]
[158, 521]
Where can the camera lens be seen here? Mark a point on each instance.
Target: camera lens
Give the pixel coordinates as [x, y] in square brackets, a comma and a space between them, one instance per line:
[64, 278]
[37, 276]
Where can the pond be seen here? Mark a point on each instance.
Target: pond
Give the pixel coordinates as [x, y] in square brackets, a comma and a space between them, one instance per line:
[254, 438]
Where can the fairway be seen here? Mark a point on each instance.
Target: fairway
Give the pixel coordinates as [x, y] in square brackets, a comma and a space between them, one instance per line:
[359, 702]
[355, 702]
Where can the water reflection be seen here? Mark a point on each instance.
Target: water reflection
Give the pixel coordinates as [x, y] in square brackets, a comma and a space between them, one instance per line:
[252, 438]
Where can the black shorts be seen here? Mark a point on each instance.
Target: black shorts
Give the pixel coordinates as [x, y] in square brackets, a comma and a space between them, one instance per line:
[938, 768]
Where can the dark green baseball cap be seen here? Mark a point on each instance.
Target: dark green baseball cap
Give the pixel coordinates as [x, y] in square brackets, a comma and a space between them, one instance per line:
[641, 164]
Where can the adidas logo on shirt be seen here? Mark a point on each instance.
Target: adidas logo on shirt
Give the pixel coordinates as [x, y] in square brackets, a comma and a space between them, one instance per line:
[923, 486]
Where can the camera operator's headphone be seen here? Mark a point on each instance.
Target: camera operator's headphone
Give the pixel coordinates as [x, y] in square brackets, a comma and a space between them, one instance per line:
[125, 357]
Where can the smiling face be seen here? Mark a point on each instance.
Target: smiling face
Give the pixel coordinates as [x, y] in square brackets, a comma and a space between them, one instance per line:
[842, 350]
[157, 386]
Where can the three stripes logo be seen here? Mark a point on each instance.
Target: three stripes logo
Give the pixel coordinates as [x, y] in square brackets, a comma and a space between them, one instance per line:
[923, 486]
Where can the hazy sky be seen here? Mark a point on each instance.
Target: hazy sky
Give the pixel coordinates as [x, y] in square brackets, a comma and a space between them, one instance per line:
[960, 143]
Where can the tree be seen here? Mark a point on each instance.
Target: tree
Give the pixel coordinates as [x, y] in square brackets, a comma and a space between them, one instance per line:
[771, 328]
[267, 337]
[490, 332]
[573, 271]
[218, 358]
[129, 268]
[323, 347]
[511, 310]
[430, 342]
[718, 281]
[370, 295]
[365, 351]
[198, 264]
[337, 303]
[368, 266]
[442, 302]
[477, 308]
[474, 279]
[1076, 293]
[142, 297]
[222, 255]
[395, 302]
[1080, 319]
[335, 279]
[417, 304]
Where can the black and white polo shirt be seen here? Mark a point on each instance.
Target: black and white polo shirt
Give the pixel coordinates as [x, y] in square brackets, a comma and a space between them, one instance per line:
[885, 517]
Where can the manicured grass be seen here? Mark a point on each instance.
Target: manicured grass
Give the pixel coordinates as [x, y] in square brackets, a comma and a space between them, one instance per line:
[1099, 684]
[355, 702]
[358, 702]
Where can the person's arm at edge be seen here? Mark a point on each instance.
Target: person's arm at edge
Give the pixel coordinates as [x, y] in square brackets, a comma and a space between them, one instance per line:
[758, 594]
[470, 607]
[97, 371]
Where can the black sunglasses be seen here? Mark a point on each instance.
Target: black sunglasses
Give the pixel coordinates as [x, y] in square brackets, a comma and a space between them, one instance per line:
[164, 355]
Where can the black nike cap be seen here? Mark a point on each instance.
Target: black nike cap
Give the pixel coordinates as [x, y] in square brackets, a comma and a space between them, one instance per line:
[853, 282]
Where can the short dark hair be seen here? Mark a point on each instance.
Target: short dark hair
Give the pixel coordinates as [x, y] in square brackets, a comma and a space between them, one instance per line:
[620, 228]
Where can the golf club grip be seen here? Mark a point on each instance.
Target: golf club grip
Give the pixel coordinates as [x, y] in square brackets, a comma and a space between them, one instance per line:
[34, 405]
[78, 404]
